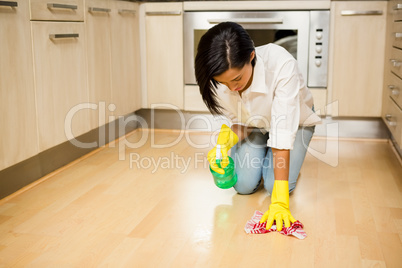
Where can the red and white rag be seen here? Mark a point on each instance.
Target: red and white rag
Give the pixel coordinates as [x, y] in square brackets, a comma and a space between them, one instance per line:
[254, 226]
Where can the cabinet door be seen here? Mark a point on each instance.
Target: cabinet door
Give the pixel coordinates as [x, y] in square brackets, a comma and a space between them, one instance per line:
[99, 63]
[125, 57]
[60, 78]
[358, 57]
[164, 54]
[18, 127]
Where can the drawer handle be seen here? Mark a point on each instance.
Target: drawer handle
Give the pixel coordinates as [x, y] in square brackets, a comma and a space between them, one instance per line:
[55, 5]
[60, 36]
[361, 13]
[398, 35]
[163, 13]
[126, 11]
[398, 7]
[8, 4]
[396, 63]
[98, 9]
[394, 90]
[388, 119]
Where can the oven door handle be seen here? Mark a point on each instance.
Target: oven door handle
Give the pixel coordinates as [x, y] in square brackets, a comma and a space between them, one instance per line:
[249, 20]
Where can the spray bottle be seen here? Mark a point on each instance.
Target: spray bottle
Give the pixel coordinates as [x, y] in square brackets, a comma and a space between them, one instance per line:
[229, 178]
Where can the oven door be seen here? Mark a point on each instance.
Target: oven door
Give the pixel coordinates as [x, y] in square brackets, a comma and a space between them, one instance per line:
[289, 29]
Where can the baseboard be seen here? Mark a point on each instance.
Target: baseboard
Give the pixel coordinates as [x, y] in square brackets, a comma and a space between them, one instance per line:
[353, 127]
[364, 128]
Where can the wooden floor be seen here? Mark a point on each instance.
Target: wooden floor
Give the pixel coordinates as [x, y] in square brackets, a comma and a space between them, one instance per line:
[103, 211]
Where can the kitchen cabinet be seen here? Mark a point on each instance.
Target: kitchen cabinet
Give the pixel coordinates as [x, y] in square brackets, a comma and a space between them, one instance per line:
[61, 81]
[59, 10]
[113, 59]
[393, 119]
[164, 54]
[125, 57]
[18, 125]
[392, 99]
[98, 33]
[46, 88]
[193, 99]
[357, 57]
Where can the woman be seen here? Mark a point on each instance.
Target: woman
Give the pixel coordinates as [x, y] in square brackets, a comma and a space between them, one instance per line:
[263, 94]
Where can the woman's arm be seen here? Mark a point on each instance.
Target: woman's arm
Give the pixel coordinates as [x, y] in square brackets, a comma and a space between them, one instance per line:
[279, 209]
[281, 164]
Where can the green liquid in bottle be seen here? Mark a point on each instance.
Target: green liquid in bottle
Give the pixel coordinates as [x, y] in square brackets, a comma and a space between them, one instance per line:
[228, 179]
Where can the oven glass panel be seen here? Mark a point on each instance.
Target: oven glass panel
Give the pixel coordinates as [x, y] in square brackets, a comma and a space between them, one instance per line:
[284, 38]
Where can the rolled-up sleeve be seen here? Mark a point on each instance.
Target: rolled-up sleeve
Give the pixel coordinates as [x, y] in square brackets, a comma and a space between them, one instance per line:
[285, 110]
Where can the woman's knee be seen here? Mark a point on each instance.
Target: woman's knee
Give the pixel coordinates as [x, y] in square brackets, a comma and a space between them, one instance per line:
[246, 188]
[269, 187]
[292, 186]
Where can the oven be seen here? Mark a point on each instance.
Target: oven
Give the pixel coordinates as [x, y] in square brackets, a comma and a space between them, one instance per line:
[304, 34]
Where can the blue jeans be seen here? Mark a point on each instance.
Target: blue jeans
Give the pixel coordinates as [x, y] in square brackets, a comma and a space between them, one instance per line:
[254, 160]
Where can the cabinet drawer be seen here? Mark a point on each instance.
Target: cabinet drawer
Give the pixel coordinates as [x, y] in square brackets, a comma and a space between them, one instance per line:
[397, 10]
[395, 89]
[396, 61]
[393, 120]
[397, 34]
[57, 10]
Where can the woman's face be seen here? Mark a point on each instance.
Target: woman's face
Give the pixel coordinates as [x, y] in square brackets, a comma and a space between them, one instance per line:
[237, 79]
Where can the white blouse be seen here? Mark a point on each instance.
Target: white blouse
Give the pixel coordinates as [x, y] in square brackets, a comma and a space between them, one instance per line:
[277, 100]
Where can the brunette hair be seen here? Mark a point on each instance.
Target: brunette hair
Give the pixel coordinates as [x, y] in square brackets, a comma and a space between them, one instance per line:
[224, 46]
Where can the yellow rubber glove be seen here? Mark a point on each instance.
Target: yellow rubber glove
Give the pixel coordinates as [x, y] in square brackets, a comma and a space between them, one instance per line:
[279, 208]
[226, 140]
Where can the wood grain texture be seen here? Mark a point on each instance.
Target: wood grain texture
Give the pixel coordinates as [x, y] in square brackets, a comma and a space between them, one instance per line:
[61, 82]
[98, 32]
[125, 58]
[102, 211]
[164, 55]
[18, 121]
[40, 10]
[357, 69]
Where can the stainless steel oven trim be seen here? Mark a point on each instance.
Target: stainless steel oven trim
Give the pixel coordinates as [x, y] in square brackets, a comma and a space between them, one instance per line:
[318, 71]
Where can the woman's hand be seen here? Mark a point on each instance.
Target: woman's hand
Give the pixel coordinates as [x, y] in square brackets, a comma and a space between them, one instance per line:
[226, 140]
[279, 209]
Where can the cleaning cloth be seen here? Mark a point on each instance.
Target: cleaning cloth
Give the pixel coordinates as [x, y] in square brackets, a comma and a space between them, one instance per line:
[254, 226]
